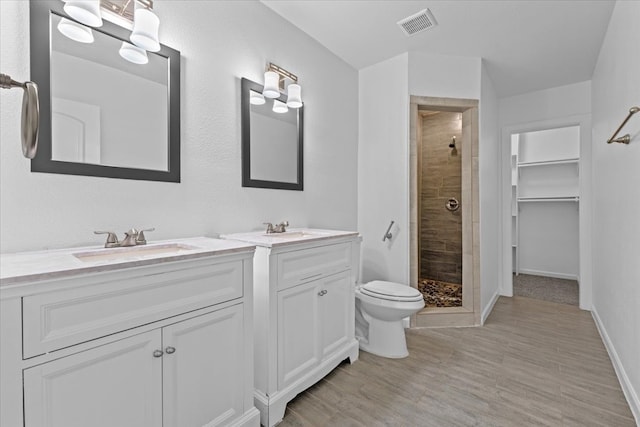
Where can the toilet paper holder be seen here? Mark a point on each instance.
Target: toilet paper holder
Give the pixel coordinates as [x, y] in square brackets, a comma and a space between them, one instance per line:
[388, 234]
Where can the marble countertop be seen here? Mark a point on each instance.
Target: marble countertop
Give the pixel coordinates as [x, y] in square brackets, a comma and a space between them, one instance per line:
[292, 236]
[16, 268]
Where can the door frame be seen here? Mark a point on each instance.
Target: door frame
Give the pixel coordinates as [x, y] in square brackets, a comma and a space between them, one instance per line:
[584, 205]
[470, 313]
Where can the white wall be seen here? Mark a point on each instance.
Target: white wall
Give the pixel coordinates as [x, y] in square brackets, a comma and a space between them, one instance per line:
[549, 144]
[383, 169]
[444, 76]
[616, 197]
[561, 106]
[547, 104]
[489, 175]
[220, 42]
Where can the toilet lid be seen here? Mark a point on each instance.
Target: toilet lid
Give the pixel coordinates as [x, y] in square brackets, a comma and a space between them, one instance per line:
[391, 291]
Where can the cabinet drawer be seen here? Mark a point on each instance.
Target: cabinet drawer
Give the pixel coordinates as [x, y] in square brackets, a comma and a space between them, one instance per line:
[309, 264]
[67, 317]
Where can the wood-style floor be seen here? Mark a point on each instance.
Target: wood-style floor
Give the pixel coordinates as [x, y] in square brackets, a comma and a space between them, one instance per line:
[532, 363]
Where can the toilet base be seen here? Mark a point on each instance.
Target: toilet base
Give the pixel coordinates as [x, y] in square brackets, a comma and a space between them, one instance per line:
[386, 339]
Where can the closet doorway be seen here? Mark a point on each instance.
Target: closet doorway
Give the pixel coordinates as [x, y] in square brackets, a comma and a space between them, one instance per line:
[545, 201]
[546, 216]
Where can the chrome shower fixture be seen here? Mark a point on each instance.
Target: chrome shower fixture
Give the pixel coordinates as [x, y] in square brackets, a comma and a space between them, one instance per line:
[452, 145]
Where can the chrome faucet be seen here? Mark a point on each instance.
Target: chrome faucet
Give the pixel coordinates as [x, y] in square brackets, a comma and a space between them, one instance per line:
[280, 228]
[132, 237]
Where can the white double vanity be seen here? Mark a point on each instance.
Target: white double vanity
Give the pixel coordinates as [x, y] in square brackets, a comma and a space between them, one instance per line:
[184, 333]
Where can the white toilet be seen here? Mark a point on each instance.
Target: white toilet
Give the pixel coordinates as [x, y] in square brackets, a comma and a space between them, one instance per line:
[380, 308]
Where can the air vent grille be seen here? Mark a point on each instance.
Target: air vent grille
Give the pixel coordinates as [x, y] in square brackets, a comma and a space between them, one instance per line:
[418, 22]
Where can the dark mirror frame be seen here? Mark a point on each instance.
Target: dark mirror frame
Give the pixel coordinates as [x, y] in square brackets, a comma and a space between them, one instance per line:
[246, 86]
[40, 73]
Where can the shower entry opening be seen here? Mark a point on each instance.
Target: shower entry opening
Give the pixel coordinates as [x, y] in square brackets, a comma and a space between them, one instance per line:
[444, 200]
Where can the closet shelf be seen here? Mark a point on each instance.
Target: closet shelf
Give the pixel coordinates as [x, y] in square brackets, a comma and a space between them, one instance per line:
[548, 199]
[549, 162]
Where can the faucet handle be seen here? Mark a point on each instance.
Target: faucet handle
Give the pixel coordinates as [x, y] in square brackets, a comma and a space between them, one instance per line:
[112, 238]
[269, 227]
[281, 228]
[141, 240]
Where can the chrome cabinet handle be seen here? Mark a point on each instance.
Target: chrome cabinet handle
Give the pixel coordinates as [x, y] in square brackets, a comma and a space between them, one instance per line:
[157, 353]
[322, 292]
[170, 350]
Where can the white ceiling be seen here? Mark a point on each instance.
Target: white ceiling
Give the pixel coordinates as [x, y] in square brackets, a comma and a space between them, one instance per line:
[527, 44]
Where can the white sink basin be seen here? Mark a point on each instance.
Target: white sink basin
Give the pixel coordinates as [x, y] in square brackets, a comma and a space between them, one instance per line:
[132, 252]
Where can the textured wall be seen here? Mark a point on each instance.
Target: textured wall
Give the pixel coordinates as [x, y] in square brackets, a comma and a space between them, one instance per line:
[616, 201]
[220, 42]
[440, 230]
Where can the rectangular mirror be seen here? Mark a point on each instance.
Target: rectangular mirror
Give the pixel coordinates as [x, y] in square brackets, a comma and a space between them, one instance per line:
[271, 143]
[101, 115]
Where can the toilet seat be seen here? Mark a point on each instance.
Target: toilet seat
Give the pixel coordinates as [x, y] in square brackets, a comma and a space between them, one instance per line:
[391, 291]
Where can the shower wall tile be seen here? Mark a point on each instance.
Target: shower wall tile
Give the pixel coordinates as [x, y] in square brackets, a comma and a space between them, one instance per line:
[440, 179]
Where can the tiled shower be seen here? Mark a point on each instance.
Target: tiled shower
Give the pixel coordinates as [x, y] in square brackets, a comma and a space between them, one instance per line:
[440, 209]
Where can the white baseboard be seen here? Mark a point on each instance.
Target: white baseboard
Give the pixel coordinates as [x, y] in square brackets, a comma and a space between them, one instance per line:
[489, 308]
[549, 274]
[627, 387]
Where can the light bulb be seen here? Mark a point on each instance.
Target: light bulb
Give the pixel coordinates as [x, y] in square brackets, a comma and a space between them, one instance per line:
[85, 11]
[133, 53]
[279, 107]
[256, 98]
[145, 30]
[75, 31]
[294, 100]
[271, 84]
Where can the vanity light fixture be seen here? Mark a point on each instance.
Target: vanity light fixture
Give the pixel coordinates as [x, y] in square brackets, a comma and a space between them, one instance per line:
[274, 79]
[133, 53]
[279, 106]
[75, 31]
[256, 98]
[131, 14]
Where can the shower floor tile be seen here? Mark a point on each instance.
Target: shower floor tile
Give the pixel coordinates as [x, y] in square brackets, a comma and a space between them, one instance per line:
[440, 294]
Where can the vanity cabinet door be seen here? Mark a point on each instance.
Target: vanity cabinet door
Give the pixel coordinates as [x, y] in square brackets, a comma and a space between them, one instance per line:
[118, 384]
[203, 369]
[297, 332]
[334, 307]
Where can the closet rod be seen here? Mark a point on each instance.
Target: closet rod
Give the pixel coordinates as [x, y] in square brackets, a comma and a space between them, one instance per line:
[625, 138]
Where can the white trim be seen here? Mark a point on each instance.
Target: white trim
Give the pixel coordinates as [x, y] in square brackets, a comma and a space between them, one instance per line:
[549, 274]
[489, 308]
[585, 257]
[627, 388]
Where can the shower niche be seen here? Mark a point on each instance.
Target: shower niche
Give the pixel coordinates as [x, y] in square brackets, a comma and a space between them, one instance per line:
[444, 210]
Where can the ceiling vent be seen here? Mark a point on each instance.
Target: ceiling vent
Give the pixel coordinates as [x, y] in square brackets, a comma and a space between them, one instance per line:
[418, 22]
